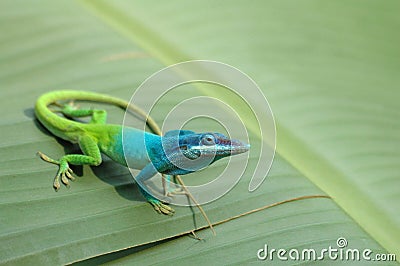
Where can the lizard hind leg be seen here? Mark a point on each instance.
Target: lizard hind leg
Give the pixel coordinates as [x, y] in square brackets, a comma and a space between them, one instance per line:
[64, 173]
[91, 156]
[97, 116]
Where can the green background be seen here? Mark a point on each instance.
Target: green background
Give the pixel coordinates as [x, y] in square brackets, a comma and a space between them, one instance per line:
[329, 70]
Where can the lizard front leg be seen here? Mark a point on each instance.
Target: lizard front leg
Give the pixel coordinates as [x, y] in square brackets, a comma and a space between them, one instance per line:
[91, 156]
[146, 173]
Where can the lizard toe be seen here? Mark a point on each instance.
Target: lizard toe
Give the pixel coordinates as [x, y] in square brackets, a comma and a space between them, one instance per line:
[64, 179]
[162, 208]
[178, 191]
[69, 175]
[56, 184]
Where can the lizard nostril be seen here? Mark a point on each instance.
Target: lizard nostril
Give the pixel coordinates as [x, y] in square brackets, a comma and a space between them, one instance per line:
[184, 147]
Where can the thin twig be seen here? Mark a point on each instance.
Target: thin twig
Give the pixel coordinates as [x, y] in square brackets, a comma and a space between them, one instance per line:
[270, 206]
[195, 202]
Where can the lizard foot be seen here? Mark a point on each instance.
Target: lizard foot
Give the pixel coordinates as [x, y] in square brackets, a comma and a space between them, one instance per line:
[158, 206]
[178, 191]
[161, 208]
[71, 106]
[64, 107]
[64, 173]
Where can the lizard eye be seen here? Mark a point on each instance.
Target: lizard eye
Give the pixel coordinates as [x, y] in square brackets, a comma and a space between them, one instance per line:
[208, 140]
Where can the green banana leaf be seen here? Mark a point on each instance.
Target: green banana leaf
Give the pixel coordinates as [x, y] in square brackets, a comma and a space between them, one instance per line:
[328, 69]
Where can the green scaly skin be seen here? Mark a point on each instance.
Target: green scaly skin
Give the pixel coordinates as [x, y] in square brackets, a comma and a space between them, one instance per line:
[142, 150]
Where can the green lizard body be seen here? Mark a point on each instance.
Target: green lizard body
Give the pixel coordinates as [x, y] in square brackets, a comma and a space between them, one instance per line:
[127, 146]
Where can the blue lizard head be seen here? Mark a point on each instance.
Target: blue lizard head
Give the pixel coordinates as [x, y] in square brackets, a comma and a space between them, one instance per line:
[187, 151]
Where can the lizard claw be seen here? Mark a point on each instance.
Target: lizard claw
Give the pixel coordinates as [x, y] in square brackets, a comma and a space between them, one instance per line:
[56, 184]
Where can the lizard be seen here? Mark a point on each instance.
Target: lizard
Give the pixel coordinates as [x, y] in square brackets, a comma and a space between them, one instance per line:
[144, 150]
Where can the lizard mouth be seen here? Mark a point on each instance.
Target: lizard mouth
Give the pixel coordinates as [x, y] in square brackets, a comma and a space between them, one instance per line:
[229, 147]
